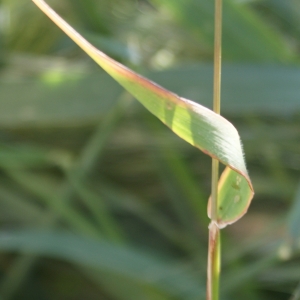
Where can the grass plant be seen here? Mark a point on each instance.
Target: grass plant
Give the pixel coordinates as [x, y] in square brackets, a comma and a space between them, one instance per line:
[196, 125]
[99, 199]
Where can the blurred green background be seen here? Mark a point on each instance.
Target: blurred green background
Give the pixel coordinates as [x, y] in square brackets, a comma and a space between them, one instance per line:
[98, 200]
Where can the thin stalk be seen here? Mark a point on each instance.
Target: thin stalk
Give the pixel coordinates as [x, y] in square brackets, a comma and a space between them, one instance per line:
[214, 248]
[214, 261]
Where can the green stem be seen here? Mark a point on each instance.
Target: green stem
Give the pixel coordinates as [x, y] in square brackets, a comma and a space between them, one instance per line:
[214, 261]
[214, 249]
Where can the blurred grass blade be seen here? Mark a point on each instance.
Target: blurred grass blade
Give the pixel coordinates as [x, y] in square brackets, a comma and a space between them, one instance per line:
[98, 209]
[52, 196]
[14, 206]
[238, 277]
[126, 286]
[294, 219]
[246, 36]
[38, 102]
[296, 294]
[292, 241]
[91, 152]
[120, 200]
[194, 123]
[288, 12]
[146, 269]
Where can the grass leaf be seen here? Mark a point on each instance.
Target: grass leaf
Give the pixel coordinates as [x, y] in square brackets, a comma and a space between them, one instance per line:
[191, 121]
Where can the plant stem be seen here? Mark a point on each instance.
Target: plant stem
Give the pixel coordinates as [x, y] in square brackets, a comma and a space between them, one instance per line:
[213, 266]
[214, 248]
[217, 56]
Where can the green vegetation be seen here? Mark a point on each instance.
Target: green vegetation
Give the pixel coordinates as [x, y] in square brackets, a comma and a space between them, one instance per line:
[99, 199]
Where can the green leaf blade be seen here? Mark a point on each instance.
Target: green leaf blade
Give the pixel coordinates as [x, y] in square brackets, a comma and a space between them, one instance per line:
[194, 123]
[233, 195]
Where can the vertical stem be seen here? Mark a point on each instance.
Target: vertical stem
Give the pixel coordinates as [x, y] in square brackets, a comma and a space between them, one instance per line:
[217, 100]
[214, 248]
[214, 260]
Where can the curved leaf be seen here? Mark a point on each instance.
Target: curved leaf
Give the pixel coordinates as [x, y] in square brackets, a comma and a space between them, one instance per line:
[194, 123]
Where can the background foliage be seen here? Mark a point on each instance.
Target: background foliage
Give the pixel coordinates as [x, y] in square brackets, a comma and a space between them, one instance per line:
[101, 201]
